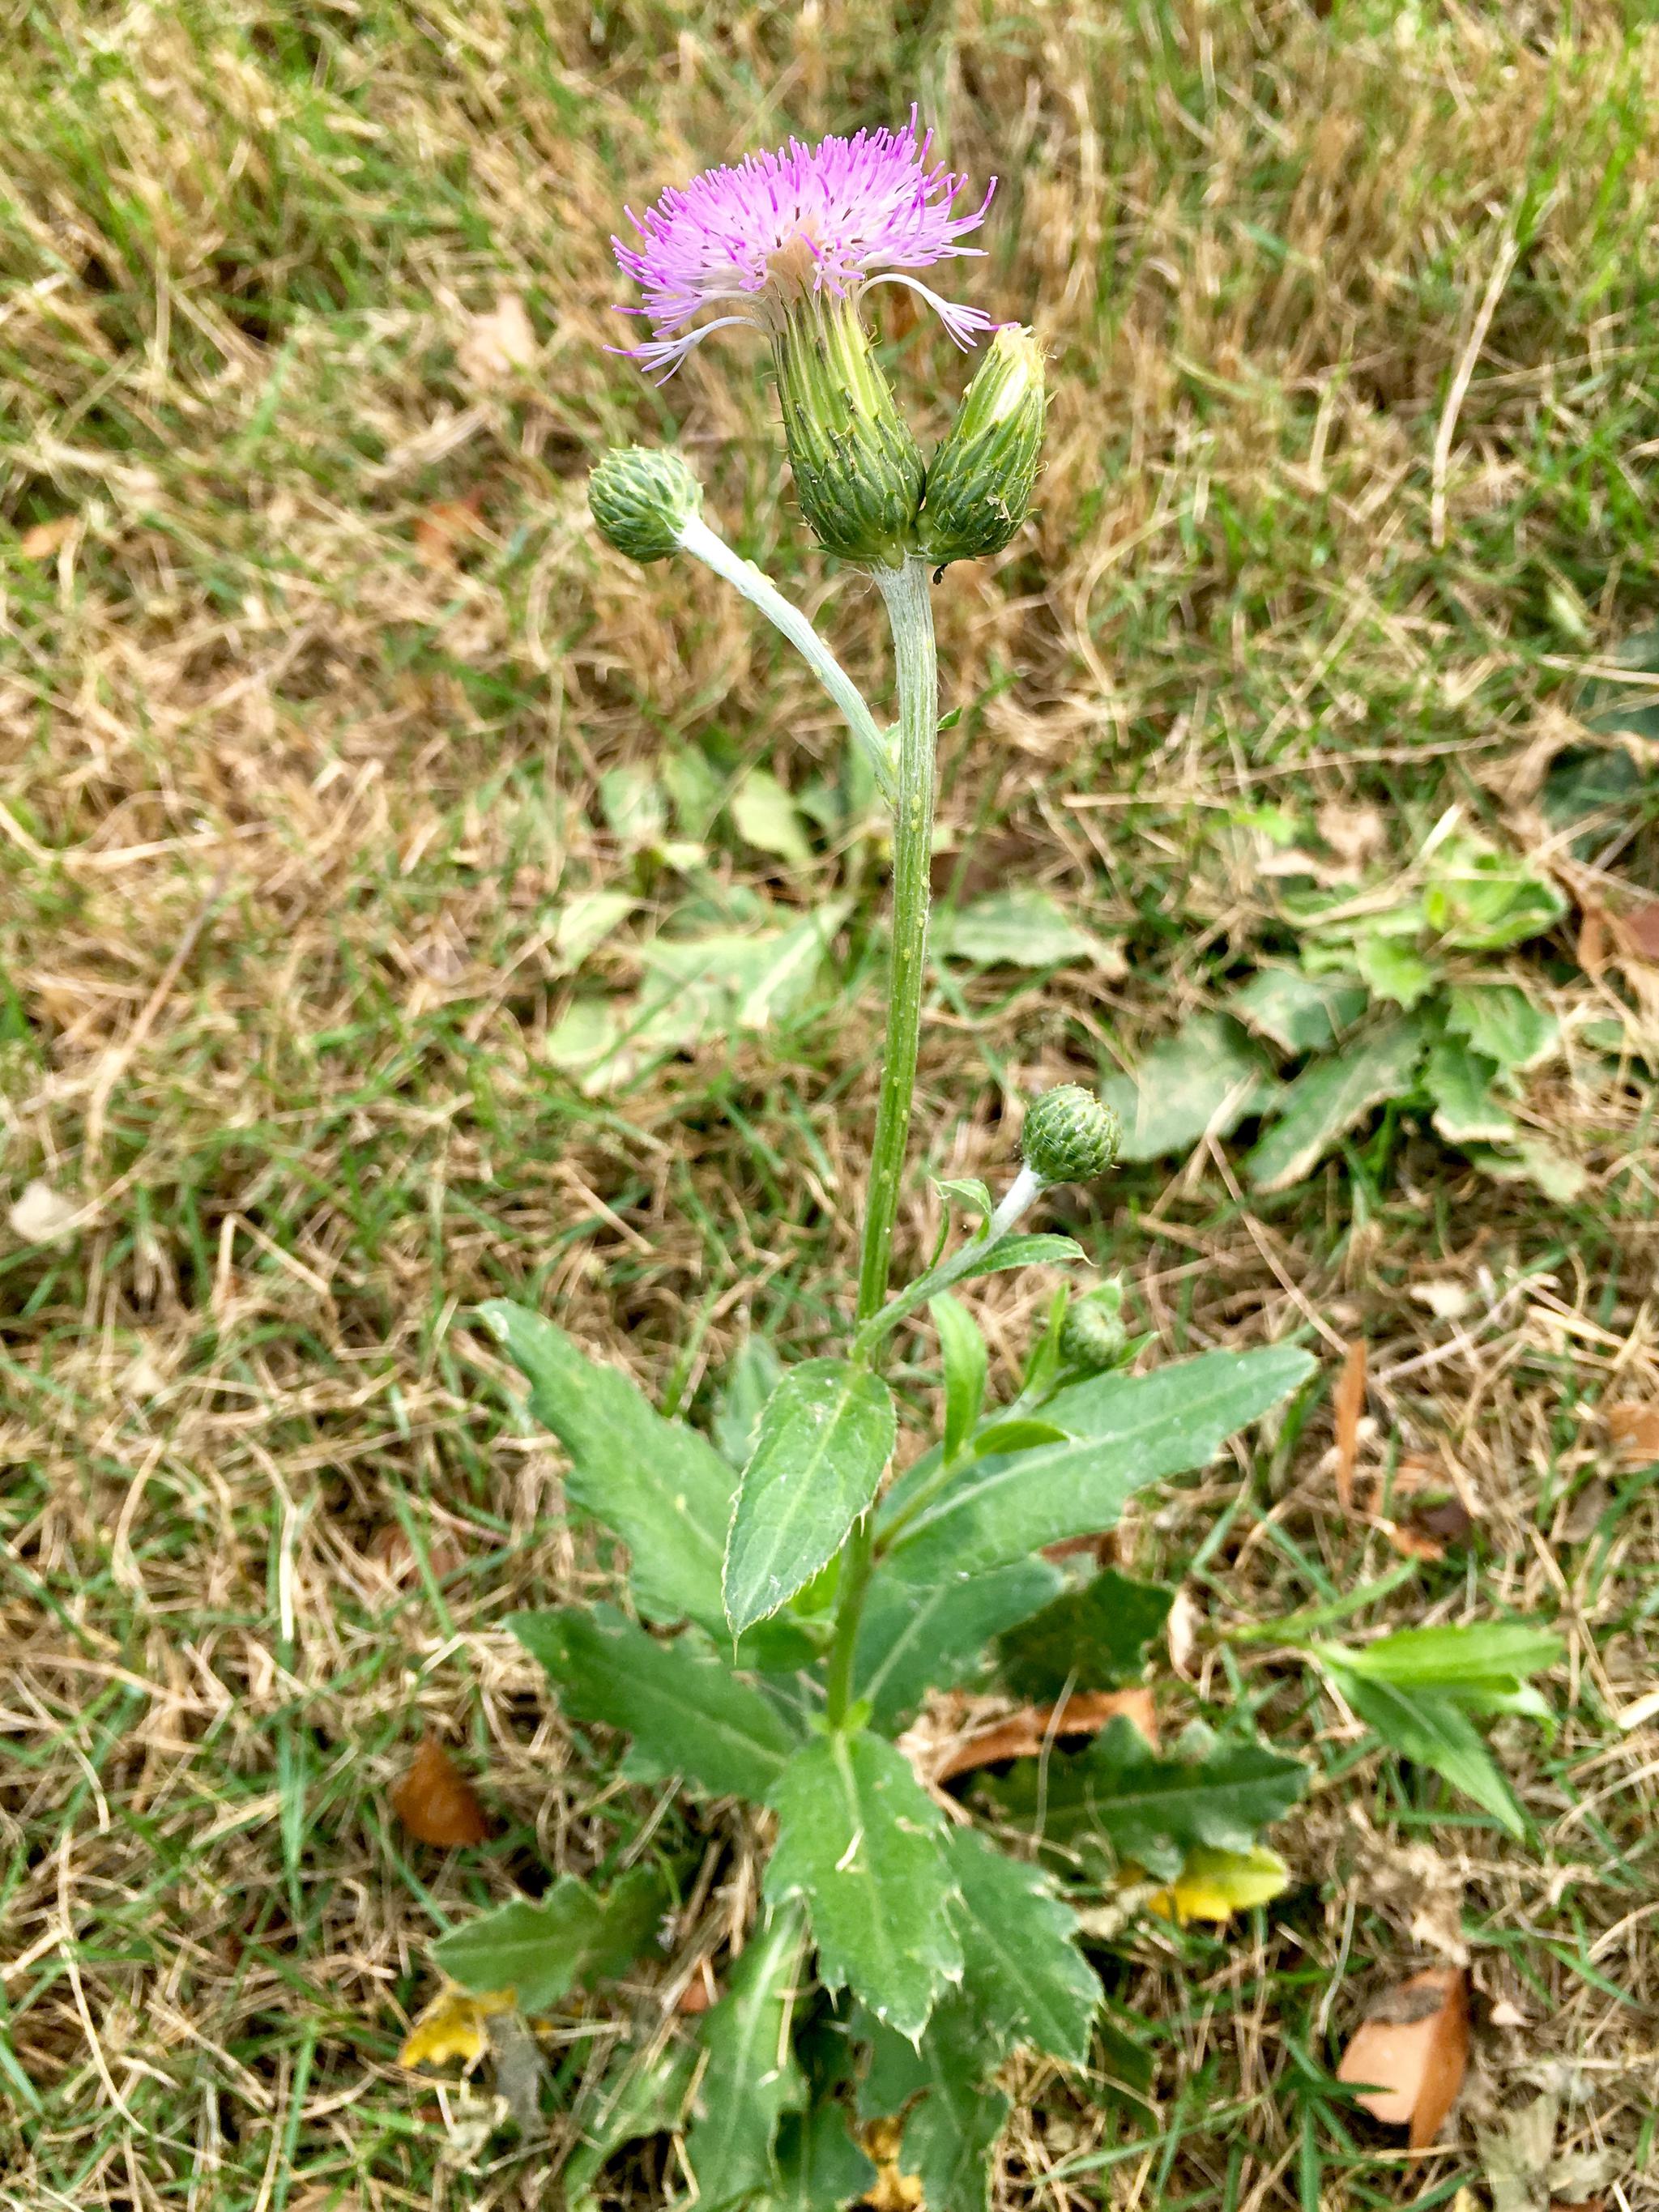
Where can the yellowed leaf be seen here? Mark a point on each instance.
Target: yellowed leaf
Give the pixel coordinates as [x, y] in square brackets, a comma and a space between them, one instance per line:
[453, 2027]
[1213, 1885]
[891, 2190]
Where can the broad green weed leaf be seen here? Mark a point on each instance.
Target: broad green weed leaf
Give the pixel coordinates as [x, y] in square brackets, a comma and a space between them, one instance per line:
[751, 2079]
[1482, 900]
[917, 1637]
[1154, 1810]
[962, 1348]
[1205, 1079]
[1023, 1974]
[862, 1841]
[1459, 1083]
[826, 1435]
[766, 818]
[1394, 970]
[1327, 1099]
[1501, 1022]
[643, 2094]
[687, 1713]
[1296, 1011]
[1126, 1431]
[1016, 928]
[541, 1951]
[585, 921]
[1092, 1638]
[820, 2168]
[1561, 1180]
[657, 1484]
[1431, 1728]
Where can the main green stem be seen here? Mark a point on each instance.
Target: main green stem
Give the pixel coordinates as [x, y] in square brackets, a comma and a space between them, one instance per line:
[910, 612]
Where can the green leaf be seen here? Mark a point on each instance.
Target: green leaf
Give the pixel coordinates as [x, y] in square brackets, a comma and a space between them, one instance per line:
[1016, 928]
[658, 1485]
[1501, 1022]
[1394, 970]
[1203, 1080]
[1484, 1656]
[643, 2094]
[1298, 1013]
[1023, 1978]
[863, 1843]
[745, 979]
[748, 1382]
[1327, 1099]
[1459, 1083]
[541, 1951]
[962, 1348]
[820, 2168]
[826, 1435]
[1561, 1179]
[917, 1637]
[1152, 1809]
[687, 1713]
[766, 818]
[1092, 1638]
[585, 921]
[951, 2129]
[751, 2079]
[1126, 1431]
[1481, 899]
[971, 1192]
[980, 1255]
[1431, 1728]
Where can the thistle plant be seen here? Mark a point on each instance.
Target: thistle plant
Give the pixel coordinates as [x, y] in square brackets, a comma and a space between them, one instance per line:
[790, 1608]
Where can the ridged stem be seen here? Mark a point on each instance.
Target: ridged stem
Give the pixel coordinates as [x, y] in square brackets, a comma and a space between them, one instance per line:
[910, 613]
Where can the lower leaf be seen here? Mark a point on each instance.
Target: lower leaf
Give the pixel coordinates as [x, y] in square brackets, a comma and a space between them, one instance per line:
[751, 2079]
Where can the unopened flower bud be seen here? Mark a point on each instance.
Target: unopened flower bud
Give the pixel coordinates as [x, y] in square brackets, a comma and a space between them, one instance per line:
[979, 486]
[642, 497]
[1092, 1335]
[858, 471]
[1070, 1135]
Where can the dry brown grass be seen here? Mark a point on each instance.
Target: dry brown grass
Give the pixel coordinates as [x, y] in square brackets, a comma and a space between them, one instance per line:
[329, 785]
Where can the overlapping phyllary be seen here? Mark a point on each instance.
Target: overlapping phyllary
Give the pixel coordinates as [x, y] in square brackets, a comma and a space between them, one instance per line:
[791, 1604]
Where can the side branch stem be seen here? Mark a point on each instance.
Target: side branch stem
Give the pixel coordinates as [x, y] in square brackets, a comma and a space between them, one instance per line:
[707, 546]
[909, 611]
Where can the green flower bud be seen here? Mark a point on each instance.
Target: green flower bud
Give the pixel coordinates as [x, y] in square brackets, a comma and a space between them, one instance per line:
[979, 486]
[1092, 1335]
[642, 497]
[1070, 1135]
[858, 471]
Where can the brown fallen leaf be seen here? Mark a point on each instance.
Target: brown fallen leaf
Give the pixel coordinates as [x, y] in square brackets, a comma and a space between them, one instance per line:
[1634, 1430]
[700, 1992]
[41, 542]
[1593, 947]
[1428, 1530]
[436, 1801]
[1637, 932]
[442, 528]
[1024, 1734]
[1413, 2048]
[1102, 1549]
[1349, 1404]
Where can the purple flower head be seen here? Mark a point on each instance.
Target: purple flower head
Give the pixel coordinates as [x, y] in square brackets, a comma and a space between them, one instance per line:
[807, 220]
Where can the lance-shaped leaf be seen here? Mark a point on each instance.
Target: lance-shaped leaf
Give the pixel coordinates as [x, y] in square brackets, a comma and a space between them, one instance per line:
[751, 2079]
[658, 1485]
[825, 1436]
[918, 1637]
[1126, 1430]
[1022, 1976]
[861, 1841]
[1151, 1809]
[963, 1350]
[1434, 1729]
[541, 1951]
[687, 1713]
